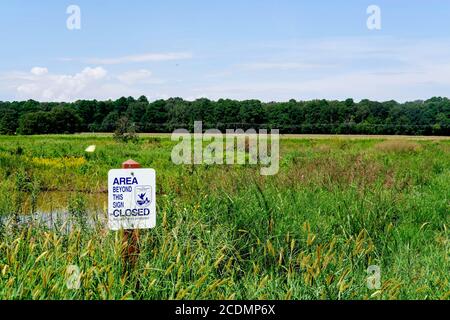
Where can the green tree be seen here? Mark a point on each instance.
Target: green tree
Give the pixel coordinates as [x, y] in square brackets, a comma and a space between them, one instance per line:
[64, 120]
[109, 122]
[35, 123]
[8, 121]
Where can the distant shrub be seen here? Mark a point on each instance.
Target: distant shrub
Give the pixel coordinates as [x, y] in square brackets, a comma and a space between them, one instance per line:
[125, 130]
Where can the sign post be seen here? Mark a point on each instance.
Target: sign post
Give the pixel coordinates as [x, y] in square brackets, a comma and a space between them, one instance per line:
[131, 204]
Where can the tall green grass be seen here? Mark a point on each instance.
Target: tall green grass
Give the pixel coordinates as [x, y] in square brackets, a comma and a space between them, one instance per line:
[224, 232]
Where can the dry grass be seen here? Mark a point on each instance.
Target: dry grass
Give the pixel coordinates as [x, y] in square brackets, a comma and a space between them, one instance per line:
[322, 148]
[398, 146]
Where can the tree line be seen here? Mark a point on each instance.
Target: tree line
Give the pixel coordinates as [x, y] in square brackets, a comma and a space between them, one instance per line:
[429, 117]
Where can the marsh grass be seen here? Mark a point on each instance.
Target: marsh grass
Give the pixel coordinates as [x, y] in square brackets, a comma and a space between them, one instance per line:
[225, 232]
[398, 146]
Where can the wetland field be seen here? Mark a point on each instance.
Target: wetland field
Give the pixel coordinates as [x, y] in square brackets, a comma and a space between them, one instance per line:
[338, 206]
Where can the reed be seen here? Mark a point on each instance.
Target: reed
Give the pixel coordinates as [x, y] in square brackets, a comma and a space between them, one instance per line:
[224, 232]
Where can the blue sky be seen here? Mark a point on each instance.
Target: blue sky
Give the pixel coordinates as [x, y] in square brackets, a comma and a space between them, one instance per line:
[270, 50]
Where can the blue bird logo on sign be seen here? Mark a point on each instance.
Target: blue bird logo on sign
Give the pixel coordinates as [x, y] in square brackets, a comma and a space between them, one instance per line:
[143, 196]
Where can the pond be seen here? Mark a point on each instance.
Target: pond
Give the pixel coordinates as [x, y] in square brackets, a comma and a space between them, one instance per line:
[53, 210]
[52, 201]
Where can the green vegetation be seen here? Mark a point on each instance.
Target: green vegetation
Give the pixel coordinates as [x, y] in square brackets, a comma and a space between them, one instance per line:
[125, 130]
[430, 117]
[336, 207]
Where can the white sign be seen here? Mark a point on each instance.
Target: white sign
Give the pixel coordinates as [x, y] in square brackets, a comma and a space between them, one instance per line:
[131, 199]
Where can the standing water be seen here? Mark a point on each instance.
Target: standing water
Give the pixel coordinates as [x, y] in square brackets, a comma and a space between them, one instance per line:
[55, 208]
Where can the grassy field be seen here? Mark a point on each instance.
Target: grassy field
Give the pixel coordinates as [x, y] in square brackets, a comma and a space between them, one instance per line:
[336, 207]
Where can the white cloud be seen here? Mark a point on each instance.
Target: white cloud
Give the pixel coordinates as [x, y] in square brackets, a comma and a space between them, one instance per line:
[131, 77]
[422, 83]
[38, 71]
[41, 85]
[93, 73]
[147, 57]
[379, 68]
[376, 68]
[89, 83]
